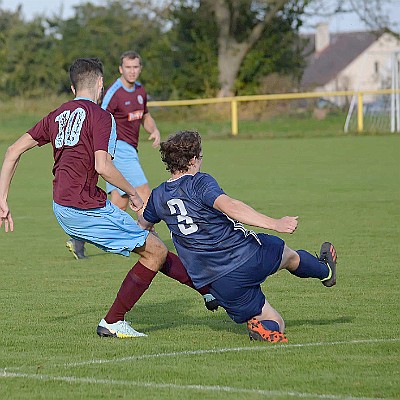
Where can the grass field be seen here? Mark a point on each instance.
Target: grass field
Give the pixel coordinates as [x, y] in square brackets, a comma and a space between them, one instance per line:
[20, 114]
[344, 342]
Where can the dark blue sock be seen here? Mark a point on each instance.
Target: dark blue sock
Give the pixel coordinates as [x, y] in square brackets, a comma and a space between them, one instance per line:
[270, 325]
[310, 266]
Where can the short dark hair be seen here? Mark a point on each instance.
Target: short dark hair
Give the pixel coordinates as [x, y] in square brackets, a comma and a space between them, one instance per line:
[179, 149]
[131, 55]
[84, 72]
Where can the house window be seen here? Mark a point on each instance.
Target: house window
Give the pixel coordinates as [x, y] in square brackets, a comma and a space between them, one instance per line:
[376, 67]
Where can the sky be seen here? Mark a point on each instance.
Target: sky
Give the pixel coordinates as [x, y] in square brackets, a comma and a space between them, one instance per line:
[64, 8]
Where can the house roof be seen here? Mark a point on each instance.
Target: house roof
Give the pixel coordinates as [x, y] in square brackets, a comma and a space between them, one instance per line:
[344, 47]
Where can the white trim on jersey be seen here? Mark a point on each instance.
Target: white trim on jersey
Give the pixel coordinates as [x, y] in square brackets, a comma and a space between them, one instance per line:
[238, 226]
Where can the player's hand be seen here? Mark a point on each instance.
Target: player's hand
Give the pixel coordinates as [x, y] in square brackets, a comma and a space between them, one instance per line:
[5, 216]
[286, 224]
[135, 202]
[156, 138]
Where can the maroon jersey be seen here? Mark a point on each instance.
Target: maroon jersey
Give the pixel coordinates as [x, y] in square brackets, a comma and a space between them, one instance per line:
[128, 107]
[76, 130]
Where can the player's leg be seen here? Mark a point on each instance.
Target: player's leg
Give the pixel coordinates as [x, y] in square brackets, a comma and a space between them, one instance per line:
[173, 268]
[267, 326]
[304, 265]
[136, 282]
[77, 248]
[152, 257]
[239, 292]
[126, 160]
[121, 201]
[115, 231]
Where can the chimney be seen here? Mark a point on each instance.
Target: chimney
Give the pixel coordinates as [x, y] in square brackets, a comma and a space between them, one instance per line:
[321, 37]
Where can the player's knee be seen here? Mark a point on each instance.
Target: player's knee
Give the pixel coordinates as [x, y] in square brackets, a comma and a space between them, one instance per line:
[281, 323]
[273, 315]
[290, 259]
[241, 313]
[156, 249]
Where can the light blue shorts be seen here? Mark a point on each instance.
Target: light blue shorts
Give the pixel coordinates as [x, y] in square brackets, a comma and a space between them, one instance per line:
[127, 161]
[108, 227]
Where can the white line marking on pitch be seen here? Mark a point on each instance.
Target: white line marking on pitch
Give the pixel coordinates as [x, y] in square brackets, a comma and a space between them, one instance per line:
[225, 350]
[153, 385]
[209, 351]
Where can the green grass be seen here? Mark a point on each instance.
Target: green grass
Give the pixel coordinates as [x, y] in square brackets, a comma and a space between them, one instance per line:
[344, 342]
[18, 115]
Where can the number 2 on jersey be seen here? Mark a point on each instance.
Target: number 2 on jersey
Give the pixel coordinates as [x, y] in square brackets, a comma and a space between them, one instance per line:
[176, 206]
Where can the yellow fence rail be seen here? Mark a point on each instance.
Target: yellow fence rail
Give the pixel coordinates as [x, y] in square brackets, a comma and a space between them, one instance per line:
[270, 97]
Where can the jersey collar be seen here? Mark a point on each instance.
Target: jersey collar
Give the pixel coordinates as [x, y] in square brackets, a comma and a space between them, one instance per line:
[83, 98]
[179, 177]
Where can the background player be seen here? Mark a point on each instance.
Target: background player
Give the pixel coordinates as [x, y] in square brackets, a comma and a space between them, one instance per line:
[126, 100]
[83, 139]
[215, 247]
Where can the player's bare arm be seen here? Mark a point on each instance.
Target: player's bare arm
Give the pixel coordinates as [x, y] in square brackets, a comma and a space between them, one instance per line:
[242, 212]
[106, 169]
[150, 126]
[10, 163]
[144, 224]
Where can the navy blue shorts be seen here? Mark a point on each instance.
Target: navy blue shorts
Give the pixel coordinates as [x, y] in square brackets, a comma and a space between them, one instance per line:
[239, 292]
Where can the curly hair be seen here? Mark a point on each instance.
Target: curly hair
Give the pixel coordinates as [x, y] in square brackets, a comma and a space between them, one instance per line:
[179, 149]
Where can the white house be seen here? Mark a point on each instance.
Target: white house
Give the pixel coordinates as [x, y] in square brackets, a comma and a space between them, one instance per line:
[349, 61]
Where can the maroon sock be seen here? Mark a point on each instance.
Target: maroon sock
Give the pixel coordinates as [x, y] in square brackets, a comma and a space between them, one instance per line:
[134, 285]
[174, 268]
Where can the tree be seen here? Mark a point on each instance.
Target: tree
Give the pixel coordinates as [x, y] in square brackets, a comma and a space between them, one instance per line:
[28, 67]
[241, 25]
[106, 32]
[225, 46]
[193, 52]
[245, 34]
[373, 13]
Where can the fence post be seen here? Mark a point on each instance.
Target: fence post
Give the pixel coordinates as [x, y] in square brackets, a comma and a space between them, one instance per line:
[234, 115]
[360, 116]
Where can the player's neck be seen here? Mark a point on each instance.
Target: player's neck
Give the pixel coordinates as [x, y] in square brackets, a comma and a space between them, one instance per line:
[127, 84]
[192, 170]
[87, 94]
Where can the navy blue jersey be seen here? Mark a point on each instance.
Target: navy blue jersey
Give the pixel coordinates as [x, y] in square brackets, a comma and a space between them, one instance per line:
[209, 243]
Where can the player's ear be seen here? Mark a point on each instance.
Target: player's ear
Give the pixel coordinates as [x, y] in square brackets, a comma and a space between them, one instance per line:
[73, 90]
[192, 161]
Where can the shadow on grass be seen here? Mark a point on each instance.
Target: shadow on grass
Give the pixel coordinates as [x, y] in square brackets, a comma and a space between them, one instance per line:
[175, 313]
[332, 321]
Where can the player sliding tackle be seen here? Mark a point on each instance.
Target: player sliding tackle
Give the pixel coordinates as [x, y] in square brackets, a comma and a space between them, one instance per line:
[217, 250]
[83, 138]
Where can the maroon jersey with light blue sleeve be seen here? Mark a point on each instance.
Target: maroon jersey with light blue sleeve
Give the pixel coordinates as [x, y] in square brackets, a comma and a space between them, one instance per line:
[128, 107]
[77, 129]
